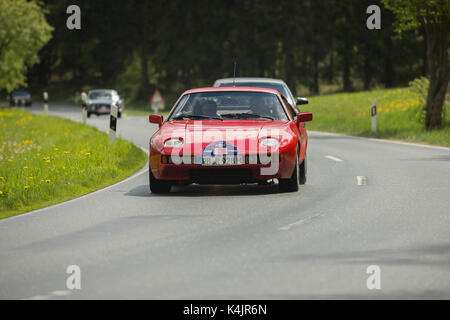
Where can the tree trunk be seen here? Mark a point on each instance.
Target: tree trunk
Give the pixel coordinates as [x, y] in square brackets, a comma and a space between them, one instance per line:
[143, 92]
[346, 71]
[438, 70]
[367, 72]
[315, 87]
[388, 66]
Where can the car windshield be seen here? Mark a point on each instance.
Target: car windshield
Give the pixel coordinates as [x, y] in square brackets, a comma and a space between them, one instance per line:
[100, 95]
[229, 106]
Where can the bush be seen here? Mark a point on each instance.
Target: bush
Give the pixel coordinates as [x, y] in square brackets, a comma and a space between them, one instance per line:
[420, 86]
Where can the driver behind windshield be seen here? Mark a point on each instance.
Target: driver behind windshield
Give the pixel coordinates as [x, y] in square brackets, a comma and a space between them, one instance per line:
[206, 108]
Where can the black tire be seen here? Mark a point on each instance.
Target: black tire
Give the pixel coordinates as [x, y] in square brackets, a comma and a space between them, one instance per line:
[88, 114]
[291, 184]
[303, 171]
[158, 186]
[119, 114]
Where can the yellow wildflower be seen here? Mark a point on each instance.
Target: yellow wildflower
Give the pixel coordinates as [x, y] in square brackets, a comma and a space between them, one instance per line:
[47, 181]
[1, 192]
[25, 167]
[10, 160]
[26, 187]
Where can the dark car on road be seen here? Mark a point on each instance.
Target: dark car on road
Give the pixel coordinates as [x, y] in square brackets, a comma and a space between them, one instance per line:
[276, 84]
[20, 98]
[99, 102]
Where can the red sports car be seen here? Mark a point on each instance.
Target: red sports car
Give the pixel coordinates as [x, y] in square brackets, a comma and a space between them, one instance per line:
[229, 135]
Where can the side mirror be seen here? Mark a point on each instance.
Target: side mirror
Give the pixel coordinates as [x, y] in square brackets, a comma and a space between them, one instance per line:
[304, 117]
[156, 118]
[301, 100]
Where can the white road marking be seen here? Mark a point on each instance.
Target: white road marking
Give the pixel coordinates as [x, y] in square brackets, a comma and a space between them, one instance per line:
[361, 180]
[39, 298]
[334, 158]
[56, 293]
[61, 293]
[299, 222]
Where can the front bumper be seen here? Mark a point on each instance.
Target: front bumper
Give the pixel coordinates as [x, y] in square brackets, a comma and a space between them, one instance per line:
[281, 167]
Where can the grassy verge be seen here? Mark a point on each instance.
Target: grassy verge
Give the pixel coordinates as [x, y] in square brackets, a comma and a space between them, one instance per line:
[398, 113]
[45, 160]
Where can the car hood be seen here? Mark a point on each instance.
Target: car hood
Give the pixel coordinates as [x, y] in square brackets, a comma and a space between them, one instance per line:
[245, 134]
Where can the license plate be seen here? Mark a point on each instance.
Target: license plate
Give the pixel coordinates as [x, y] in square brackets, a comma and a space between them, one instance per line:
[231, 160]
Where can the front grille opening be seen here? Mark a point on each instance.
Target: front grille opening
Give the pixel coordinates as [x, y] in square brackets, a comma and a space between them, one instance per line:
[221, 175]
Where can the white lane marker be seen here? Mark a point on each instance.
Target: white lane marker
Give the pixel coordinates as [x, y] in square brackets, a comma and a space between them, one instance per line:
[334, 158]
[56, 293]
[39, 298]
[299, 222]
[61, 293]
[361, 180]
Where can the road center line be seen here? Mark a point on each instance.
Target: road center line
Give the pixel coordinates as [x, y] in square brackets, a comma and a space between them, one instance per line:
[334, 158]
[299, 222]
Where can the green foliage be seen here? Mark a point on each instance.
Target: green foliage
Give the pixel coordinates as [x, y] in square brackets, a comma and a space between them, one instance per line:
[420, 87]
[411, 14]
[23, 32]
[46, 164]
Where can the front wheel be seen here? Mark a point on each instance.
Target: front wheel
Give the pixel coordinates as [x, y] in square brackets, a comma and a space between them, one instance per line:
[303, 170]
[158, 186]
[291, 184]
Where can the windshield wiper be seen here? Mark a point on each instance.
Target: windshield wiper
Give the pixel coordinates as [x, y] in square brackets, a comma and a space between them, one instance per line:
[195, 116]
[247, 115]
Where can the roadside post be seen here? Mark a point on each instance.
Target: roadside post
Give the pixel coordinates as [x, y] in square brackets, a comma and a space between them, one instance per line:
[113, 123]
[157, 101]
[83, 107]
[374, 115]
[45, 96]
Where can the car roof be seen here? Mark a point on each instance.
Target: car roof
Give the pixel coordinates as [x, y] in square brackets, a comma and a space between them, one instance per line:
[249, 79]
[233, 89]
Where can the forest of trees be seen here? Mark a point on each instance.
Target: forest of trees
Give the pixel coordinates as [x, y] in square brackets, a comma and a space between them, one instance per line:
[136, 46]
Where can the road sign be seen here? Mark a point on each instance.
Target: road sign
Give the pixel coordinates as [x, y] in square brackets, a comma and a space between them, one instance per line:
[157, 101]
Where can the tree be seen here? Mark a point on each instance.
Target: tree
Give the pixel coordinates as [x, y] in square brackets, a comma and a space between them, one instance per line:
[23, 32]
[434, 15]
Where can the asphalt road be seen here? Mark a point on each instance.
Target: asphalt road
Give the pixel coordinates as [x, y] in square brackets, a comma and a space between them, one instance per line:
[245, 242]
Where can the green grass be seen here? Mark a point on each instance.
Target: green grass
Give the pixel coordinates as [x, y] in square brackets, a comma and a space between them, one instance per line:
[398, 114]
[45, 160]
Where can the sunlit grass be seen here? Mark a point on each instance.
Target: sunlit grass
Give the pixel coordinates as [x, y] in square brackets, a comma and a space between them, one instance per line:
[45, 160]
[398, 114]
